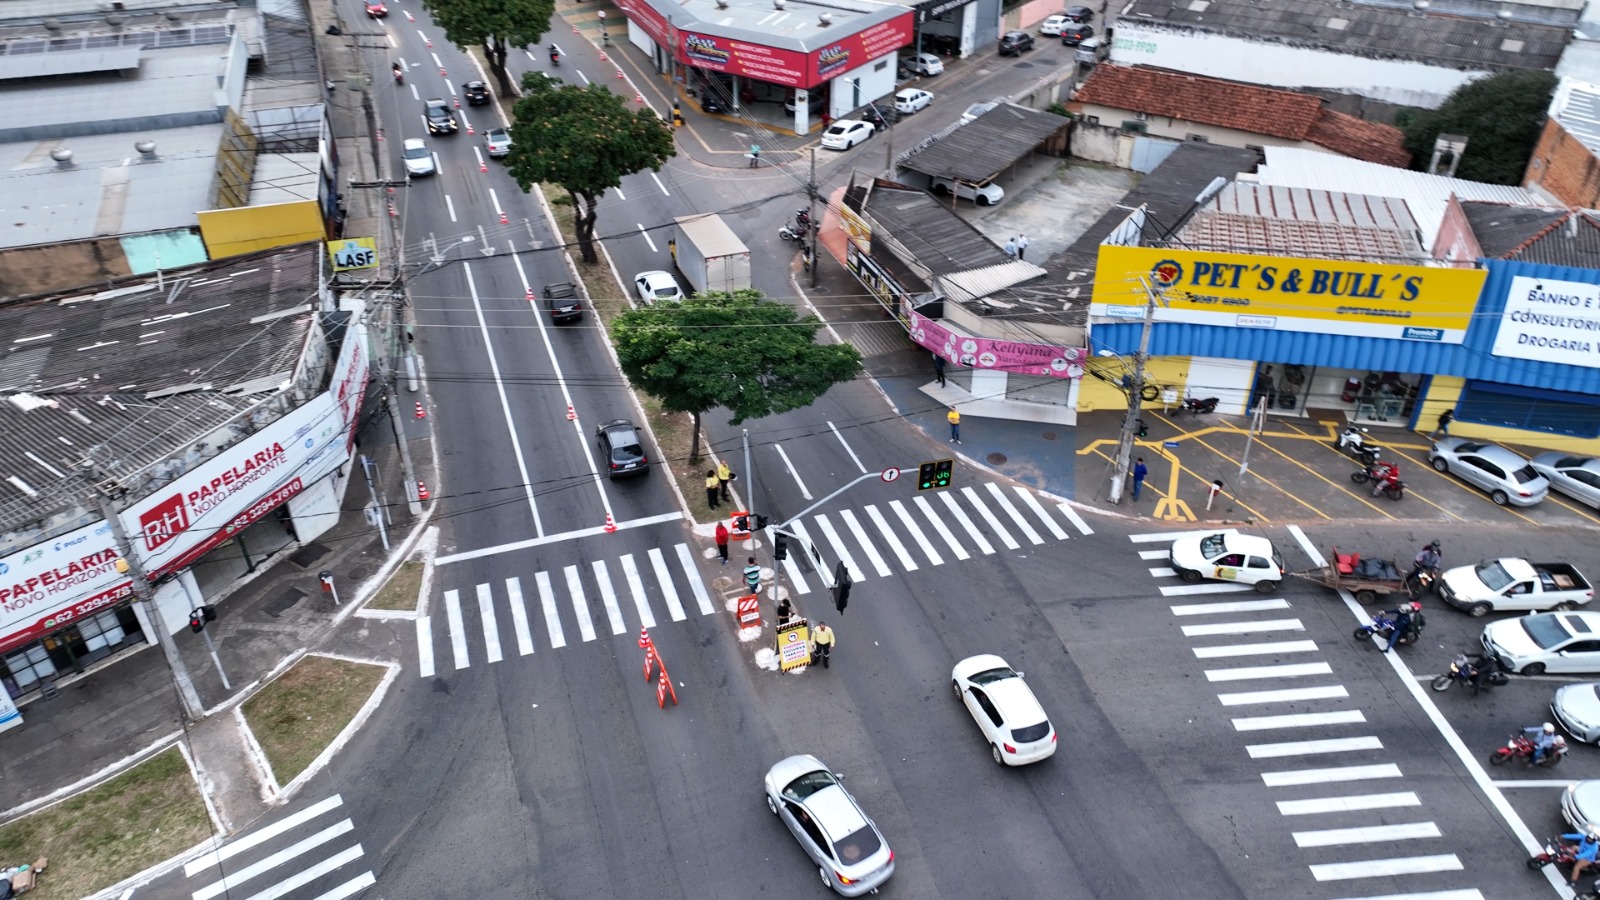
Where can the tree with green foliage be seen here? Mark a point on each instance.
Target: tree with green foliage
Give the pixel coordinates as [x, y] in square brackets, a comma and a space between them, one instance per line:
[494, 25]
[741, 351]
[584, 139]
[1501, 115]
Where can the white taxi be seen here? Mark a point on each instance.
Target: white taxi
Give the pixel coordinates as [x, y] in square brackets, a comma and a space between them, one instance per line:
[1228, 556]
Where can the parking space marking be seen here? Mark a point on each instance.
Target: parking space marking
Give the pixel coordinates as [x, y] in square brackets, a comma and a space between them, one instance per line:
[1195, 437]
[1333, 448]
[1341, 487]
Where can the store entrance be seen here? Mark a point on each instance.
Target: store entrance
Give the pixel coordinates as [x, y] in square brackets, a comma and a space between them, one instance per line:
[1362, 396]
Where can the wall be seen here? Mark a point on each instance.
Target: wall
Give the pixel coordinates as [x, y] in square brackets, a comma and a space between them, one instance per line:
[246, 229]
[1282, 65]
[1097, 394]
[1180, 129]
[1455, 241]
[1564, 168]
[1444, 391]
[1101, 143]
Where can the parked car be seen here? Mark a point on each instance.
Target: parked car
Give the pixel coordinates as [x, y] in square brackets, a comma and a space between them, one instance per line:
[880, 114]
[561, 299]
[1091, 50]
[1080, 13]
[439, 117]
[1507, 477]
[1580, 805]
[981, 194]
[1073, 35]
[656, 285]
[1576, 476]
[1015, 43]
[621, 449]
[1565, 642]
[477, 93]
[850, 853]
[846, 133]
[377, 11]
[1010, 717]
[1577, 708]
[911, 100]
[1513, 584]
[923, 64]
[417, 156]
[499, 141]
[978, 109]
[1051, 27]
[1227, 556]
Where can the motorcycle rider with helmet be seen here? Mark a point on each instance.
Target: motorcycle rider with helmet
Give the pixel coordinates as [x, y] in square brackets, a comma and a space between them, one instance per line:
[1543, 740]
[1407, 618]
[1427, 560]
[1587, 852]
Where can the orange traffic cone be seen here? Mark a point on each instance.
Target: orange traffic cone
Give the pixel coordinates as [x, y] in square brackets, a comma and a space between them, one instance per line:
[421, 413]
[422, 489]
[611, 524]
[572, 414]
[503, 219]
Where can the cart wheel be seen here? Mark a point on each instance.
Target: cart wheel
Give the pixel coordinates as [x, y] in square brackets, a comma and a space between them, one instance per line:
[1366, 597]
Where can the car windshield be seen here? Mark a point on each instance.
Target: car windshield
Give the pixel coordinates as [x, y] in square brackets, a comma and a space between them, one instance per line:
[857, 846]
[416, 153]
[1212, 545]
[809, 784]
[1469, 447]
[1493, 575]
[1545, 631]
[1525, 475]
[1031, 733]
[1571, 462]
[990, 676]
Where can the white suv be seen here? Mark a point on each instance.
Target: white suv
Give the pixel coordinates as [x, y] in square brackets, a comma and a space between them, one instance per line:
[981, 194]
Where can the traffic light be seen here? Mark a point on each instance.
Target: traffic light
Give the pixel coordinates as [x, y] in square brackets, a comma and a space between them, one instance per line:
[209, 613]
[197, 621]
[780, 547]
[841, 587]
[761, 523]
[931, 475]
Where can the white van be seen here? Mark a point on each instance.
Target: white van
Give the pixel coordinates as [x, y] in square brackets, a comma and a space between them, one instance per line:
[1092, 50]
[923, 64]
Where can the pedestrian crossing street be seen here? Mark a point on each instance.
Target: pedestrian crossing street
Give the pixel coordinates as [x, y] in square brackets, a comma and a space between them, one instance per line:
[622, 595]
[1317, 763]
[317, 866]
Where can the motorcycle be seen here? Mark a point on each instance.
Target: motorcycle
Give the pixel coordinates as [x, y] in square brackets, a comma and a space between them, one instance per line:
[1382, 626]
[793, 232]
[1197, 407]
[1353, 443]
[1521, 747]
[399, 74]
[1395, 490]
[555, 56]
[1476, 672]
[1556, 852]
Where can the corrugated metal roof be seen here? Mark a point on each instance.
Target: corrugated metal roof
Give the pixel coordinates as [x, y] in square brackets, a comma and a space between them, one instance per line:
[1532, 234]
[1576, 105]
[1426, 196]
[1255, 218]
[935, 236]
[982, 148]
[974, 285]
[80, 62]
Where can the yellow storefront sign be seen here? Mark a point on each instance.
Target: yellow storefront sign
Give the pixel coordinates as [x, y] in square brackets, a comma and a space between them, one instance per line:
[353, 253]
[1360, 299]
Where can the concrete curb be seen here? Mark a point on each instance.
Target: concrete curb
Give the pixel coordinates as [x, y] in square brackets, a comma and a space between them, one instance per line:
[350, 729]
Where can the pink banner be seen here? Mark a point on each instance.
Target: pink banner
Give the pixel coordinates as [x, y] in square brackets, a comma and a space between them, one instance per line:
[1007, 356]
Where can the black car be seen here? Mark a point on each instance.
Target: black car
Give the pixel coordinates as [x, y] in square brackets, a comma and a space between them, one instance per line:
[440, 119]
[881, 114]
[561, 298]
[477, 93]
[1073, 35]
[1079, 14]
[622, 449]
[1015, 43]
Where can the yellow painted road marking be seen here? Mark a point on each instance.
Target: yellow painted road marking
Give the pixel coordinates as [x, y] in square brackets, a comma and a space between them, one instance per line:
[1195, 436]
[1094, 448]
[1410, 492]
[1169, 506]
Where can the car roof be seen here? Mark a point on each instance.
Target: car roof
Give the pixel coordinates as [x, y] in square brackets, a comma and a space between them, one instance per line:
[436, 101]
[658, 275]
[982, 662]
[910, 92]
[411, 143]
[1016, 701]
[835, 811]
[1590, 620]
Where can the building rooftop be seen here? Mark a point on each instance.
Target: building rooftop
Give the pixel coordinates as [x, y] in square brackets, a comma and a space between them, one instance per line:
[1460, 34]
[936, 237]
[1536, 234]
[1576, 105]
[986, 146]
[796, 25]
[1253, 218]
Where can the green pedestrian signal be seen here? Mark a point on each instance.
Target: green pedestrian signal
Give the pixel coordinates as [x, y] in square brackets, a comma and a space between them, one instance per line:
[931, 475]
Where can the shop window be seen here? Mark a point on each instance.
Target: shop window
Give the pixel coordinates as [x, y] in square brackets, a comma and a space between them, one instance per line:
[27, 667]
[882, 64]
[1529, 409]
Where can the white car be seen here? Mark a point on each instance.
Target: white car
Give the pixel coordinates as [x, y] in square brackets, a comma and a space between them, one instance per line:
[911, 100]
[981, 194]
[499, 141]
[1010, 717]
[1228, 556]
[978, 109]
[417, 156]
[850, 853]
[846, 133]
[924, 64]
[1053, 25]
[1545, 642]
[656, 285]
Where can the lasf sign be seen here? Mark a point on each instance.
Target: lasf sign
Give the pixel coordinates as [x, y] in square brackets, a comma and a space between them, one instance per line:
[1360, 299]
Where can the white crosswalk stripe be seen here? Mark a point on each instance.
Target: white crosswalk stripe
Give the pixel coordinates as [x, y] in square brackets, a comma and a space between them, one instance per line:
[898, 548]
[1032, 503]
[669, 594]
[491, 631]
[580, 603]
[911, 528]
[641, 603]
[926, 508]
[965, 522]
[988, 516]
[839, 547]
[519, 616]
[1016, 517]
[317, 863]
[854, 525]
[608, 597]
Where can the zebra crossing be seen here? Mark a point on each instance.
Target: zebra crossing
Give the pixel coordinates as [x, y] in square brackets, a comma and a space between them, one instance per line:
[1317, 773]
[316, 866]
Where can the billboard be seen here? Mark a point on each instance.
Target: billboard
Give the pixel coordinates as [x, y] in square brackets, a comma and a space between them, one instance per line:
[61, 580]
[1008, 356]
[1550, 321]
[777, 65]
[1358, 299]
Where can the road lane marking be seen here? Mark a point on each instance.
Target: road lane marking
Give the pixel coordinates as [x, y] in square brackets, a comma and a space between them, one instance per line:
[641, 601]
[1458, 894]
[233, 848]
[1296, 670]
[552, 618]
[692, 575]
[799, 527]
[233, 879]
[1386, 868]
[1151, 537]
[350, 888]
[664, 191]
[989, 516]
[1287, 695]
[1075, 519]
[505, 402]
[1356, 803]
[608, 597]
[1202, 609]
[669, 591]
[458, 635]
[646, 235]
[1155, 554]
[965, 522]
[792, 473]
[580, 604]
[926, 509]
[519, 616]
[425, 646]
[1295, 777]
[1307, 748]
[555, 538]
[913, 529]
[793, 568]
[1243, 627]
[1299, 720]
[1163, 572]
[899, 549]
[1368, 834]
[309, 874]
[853, 457]
[839, 546]
[1264, 649]
[1038, 510]
[449, 204]
[854, 524]
[1189, 590]
[1016, 515]
[491, 627]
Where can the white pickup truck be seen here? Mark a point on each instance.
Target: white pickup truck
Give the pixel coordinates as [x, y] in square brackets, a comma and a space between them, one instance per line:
[1515, 585]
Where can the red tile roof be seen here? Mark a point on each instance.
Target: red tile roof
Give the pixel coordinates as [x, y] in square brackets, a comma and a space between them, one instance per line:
[1360, 139]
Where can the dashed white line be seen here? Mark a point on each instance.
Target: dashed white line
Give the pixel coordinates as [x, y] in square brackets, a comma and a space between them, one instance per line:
[663, 187]
[792, 473]
[853, 457]
[449, 205]
[646, 235]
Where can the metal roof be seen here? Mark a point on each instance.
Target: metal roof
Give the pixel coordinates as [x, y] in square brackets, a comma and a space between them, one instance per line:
[1255, 218]
[1536, 234]
[932, 234]
[1459, 34]
[48, 65]
[1426, 196]
[981, 149]
[285, 178]
[1576, 105]
[172, 88]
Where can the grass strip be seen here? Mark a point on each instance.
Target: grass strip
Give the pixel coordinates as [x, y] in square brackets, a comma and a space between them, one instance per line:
[401, 590]
[302, 711]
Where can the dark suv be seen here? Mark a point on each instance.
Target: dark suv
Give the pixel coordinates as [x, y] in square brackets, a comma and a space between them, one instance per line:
[562, 300]
[1073, 35]
[477, 93]
[621, 449]
[440, 119]
[1015, 43]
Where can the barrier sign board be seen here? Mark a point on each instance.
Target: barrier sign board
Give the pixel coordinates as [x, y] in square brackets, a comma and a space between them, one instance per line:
[794, 646]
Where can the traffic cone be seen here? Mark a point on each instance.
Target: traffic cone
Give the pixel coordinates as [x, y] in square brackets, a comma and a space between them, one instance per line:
[393, 211]
[602, 57]
[503, 219]
[443, 73]
[483, 166]
[572, 414]
[638, 97]
[429, 42]
[391, 189]
[644, 638]
[530, 300]
[619, 73]
[380, 134]
[422, 489]
[470, 129]
[458, 101]
[409, 16]
[574, 29]
[421, 413]
[611, 524]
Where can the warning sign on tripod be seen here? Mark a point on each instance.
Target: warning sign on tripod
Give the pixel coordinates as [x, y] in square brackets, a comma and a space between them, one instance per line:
[794, 646]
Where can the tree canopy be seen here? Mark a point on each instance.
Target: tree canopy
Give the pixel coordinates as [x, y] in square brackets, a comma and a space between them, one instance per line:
[753, 356]
[584, 139]
[495, 25]
[1501, 115]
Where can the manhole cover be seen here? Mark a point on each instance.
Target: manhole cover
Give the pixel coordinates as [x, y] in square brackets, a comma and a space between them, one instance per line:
[1023, 65]
[996, 458]
[1049, 435]
[360, 573]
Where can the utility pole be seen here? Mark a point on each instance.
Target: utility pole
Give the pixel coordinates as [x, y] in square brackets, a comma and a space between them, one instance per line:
[1119, 472]
[391, 400]
[130, 565]
[750, 475]
[815, 226]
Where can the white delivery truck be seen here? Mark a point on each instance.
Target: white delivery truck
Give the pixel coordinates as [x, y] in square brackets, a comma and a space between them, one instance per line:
[710, 256]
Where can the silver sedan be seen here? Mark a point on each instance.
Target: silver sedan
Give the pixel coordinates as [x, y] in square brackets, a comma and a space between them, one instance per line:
[1576, 476]
[1508, 478]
